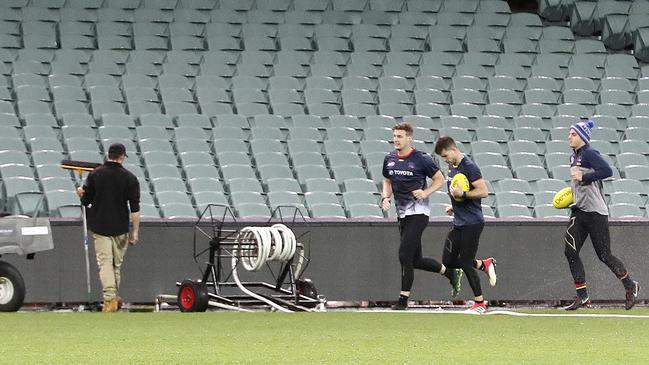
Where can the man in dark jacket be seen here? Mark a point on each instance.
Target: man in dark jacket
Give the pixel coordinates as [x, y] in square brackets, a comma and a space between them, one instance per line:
[109, 192]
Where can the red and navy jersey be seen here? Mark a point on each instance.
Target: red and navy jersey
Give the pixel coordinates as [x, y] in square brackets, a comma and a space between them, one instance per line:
[469, 211]
[407, 174]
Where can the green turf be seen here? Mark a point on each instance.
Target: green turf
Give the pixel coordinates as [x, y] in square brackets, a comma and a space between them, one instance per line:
[327, 338]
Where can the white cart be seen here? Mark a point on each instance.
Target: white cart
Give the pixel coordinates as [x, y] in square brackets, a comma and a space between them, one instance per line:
[20, 235]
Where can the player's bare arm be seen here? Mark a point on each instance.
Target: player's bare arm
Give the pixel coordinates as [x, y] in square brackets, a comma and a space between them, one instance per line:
[386, 195]
[438, 180]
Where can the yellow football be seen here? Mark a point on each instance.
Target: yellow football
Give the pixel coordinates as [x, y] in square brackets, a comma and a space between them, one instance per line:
[459, 181]
[563, 198]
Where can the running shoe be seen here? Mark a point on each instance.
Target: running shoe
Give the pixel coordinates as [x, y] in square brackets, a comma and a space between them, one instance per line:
[478, 308]
[577, 303]
[631, 295]
[489, 267]
[401, 305]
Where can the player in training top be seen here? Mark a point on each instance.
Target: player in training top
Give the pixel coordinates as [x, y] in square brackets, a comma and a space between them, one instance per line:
[405, 171]
[462, 241]
[590, 215]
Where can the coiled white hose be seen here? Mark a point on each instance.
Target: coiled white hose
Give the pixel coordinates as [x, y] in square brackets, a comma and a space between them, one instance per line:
[275, 243]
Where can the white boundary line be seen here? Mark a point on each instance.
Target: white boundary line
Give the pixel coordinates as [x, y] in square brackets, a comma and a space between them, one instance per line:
[582, 315]
[508, 313]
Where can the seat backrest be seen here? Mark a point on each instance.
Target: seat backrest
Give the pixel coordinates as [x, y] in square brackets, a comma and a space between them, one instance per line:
[511, 197]
[496, 172]
[624, 210]
[513, 211]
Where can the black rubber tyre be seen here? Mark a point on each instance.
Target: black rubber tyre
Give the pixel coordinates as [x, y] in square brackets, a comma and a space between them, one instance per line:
[307, 288]
[12, 288]
[192, 296]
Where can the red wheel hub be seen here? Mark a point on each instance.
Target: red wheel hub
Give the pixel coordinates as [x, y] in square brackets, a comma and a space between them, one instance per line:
[187, 297]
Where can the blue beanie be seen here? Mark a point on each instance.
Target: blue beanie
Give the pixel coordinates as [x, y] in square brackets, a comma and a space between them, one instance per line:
[584, 129]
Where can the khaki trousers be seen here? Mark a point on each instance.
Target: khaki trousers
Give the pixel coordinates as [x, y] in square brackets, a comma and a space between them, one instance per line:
[110, 252]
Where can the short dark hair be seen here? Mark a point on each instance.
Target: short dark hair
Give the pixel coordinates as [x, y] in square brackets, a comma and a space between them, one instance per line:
[444, 143]
[403, 126]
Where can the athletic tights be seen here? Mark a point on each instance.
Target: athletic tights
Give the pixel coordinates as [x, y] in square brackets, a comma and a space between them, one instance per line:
[411, 228]
[581, 225]
[460, 249]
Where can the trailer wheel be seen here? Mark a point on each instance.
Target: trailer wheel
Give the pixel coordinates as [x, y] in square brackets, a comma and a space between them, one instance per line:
[307, 288]
[12, 288]
[192, 296]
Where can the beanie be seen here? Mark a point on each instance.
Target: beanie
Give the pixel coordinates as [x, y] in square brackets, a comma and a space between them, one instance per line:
[584, 129]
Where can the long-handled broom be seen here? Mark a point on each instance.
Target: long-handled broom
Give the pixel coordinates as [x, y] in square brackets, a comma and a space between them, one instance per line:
[81, 167]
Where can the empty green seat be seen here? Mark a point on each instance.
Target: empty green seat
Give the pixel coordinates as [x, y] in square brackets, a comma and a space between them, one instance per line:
[274, 171]
[511, 197]
[178, 211]
[321, 185]
[245, 197]
[625, 210]
[342, 173]
[360, 184]
[59, 198]
[364, 211]
[243, 184]
[513, 211]
[238, 171]
[513, 185]
[283, 184]
[496, 172]
[549, 211]
[325, 210]
[205, 184]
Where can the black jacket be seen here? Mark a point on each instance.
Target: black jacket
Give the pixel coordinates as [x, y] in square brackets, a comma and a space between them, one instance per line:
[109, 191]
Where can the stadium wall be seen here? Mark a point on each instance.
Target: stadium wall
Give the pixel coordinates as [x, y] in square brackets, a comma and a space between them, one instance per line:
[350, 261]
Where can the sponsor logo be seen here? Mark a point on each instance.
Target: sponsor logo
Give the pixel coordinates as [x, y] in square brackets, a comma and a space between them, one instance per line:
[391, 163]
[401, 172]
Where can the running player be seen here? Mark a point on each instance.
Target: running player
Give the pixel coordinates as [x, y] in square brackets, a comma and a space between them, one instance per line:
[405, 171]
[590, 215]
[462, 241]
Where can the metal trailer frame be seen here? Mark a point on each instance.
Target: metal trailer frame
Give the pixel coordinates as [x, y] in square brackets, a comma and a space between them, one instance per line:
[287, 290]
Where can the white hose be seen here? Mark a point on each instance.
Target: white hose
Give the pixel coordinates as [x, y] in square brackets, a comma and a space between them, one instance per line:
[300, 260]
[258, 245]
[247, 239]
[235, 276]
[226, 306]
[288, 242]
[276, 243]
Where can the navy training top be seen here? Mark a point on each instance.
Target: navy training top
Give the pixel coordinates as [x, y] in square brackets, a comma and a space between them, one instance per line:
[468, 211]
[407, 174]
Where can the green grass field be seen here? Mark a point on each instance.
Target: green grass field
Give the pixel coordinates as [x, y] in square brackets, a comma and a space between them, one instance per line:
[322, 338]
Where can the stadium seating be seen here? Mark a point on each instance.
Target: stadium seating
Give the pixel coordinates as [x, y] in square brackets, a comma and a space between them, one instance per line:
[288, 98]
